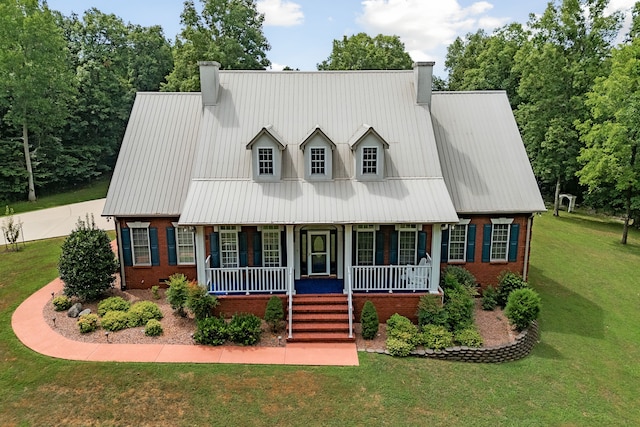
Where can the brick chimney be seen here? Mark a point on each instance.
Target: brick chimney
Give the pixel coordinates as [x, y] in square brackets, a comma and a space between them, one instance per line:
[209, 82]
[423, 76]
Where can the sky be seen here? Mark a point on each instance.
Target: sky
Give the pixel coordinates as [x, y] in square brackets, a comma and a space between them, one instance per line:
[301, 32]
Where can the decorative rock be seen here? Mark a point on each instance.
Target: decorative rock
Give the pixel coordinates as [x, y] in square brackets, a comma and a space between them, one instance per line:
[75, 310]
[85, 311]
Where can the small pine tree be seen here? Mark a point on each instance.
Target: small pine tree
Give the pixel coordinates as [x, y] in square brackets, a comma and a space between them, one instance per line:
[369, 321]
[87, 264]
[274, 313]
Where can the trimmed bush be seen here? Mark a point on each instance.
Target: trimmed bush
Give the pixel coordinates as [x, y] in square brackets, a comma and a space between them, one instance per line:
[143, 311]
[88, 323]
[523, 307]
[369, 321]
[431, 311]
[178, 293]
[507, 283]
[399, 348]
[153, 328]
[489, 298]
[274, 314]
[113, 304]
[155, 291]
[469, 337]
[400, 329]
[436, 337]
[61, 303]
[199, 302]
[459, 309]
[462, 276]
[245, 328]
[211, 331]
[115, 320]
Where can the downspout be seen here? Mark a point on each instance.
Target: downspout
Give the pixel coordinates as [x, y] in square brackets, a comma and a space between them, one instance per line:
[527, 247]
[123, 281]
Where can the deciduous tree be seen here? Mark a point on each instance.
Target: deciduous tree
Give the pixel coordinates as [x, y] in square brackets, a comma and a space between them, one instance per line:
[362, 52]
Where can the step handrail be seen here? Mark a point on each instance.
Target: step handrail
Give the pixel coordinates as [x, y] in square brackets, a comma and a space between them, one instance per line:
[290, 292]
[350, 300]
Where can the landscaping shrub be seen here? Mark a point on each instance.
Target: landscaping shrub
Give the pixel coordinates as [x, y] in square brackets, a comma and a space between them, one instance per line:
[115, 320]
[436, 337]
[211, 331]
[155, 291]
[87, 264]
[178, 292]
[489, 298]
[274, 313]
[88, 323]
[401, 328]
[399, 348]
[153, 328]
[143, 311]
[523, 307]
[113, 304]
[61, 303]
[369, 321]
[245, 328]
[199, 302]
[463, 277]
[459, 309]
[431, 311]
[508, 282]
[469, 337]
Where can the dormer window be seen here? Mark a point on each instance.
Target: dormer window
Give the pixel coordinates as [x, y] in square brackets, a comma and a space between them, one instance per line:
[265, 161]
[318, 156]
[369, 150]
[369, 160]
[266, 155]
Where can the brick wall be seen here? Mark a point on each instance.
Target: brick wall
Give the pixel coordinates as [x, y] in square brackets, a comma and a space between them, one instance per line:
[388, 304]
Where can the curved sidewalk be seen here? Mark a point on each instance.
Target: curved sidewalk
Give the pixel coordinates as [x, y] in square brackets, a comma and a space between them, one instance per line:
[30, 327]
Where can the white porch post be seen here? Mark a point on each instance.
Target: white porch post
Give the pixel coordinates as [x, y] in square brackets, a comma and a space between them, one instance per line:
[200, 256]
[339, 256]
[348, 245]
[436, 244]
[291, 258]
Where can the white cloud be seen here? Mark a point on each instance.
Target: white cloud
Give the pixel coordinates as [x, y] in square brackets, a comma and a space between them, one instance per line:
[280, 13]
[276, 67]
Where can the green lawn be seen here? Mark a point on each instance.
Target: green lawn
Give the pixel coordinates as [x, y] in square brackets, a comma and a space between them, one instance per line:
[585, 370]
[95, 190]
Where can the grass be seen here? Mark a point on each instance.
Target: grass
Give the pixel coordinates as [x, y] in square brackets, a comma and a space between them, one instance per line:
[95, 190]
[585, 370]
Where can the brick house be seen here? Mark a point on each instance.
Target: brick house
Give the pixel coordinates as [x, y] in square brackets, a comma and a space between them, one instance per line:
[357, 184]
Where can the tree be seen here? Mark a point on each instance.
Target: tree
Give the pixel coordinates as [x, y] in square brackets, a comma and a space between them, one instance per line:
[612, 134]
[558, 66]
[361, 52]
[150, 59]
[34, 75]
[87, 264]
[227, 31]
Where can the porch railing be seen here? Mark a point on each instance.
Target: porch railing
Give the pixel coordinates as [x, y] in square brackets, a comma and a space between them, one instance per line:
[247, 280]
[390, 278]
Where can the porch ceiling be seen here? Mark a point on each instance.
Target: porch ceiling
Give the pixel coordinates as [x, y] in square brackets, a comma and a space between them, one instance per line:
[420, 200]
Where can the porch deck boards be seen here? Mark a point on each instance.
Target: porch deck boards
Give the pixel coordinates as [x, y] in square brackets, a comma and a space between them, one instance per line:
[320, 318]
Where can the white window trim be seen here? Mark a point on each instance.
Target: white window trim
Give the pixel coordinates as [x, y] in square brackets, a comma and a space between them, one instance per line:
[366, 229]
[508, 239]
[176, 226]
[218, 228]
[362, 172]
[324, 162]
[462, 223]
[231, 230]
[273, 166]
[134, 225]
[409, 228]
[501, 220]
[271, 230]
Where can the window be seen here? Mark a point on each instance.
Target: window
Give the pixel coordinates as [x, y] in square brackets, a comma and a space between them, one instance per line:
[457, 242]
[499, 242]
[317, 161]
[369, 160]
[140, 245]
[265, 161]
[185, 245]
[229, 247]
[271, 246]
[365, 245]
[407, 245]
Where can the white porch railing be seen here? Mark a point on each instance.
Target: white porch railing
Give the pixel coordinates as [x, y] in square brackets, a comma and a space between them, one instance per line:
[390, 278]
[247, 280]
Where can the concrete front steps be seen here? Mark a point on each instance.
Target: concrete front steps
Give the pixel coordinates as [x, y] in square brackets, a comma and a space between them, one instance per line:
[320, 318]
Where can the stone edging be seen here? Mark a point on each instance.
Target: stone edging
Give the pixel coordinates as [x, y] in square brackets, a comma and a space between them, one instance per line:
[514, 350]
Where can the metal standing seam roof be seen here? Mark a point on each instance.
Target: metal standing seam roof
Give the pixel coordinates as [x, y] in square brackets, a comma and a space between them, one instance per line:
[482, 155]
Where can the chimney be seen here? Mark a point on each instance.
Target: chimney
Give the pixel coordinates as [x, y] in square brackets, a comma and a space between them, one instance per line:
[423, 76]
[209, 82]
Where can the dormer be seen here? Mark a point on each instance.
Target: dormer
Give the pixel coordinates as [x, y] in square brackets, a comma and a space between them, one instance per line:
[368, 148]
[318, 156]
[266, 155]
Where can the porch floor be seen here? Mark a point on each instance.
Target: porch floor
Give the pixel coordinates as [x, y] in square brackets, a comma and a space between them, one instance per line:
[30, 327]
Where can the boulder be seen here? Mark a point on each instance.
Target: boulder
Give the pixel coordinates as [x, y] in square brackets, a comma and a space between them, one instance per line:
[75, 310]
[85, 311]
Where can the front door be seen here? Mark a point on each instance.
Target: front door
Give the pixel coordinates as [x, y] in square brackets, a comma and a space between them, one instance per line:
[318, 253]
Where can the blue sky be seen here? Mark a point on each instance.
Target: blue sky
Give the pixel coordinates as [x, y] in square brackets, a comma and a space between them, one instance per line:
[301, 31]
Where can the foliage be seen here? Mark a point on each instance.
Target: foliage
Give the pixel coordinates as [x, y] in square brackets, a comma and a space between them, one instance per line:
[459, 309]
[178, 292]
[462, 277]
[87, 264]
[361, 52]
[143, 311]
[274, 313]
[523, 307]
[489, 298]
[153, 328]
[436, 337]
[401, 328]
[508, 281]
[113, 304]
[61, 303]
[88, 323]
[244, 328]
[11, 229]
[398, 347]
[211, 331]
[199, 302]
[431, 311]
[155, 291]
[115, 320]
[369, 321]
[469, 337]
[226, 31]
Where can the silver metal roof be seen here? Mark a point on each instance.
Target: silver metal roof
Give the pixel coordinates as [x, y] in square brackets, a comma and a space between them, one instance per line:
[483, 159]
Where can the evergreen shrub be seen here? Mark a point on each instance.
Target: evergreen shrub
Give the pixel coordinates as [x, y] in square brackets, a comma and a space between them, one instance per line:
[211, 331]
[88, 323]
[431, 311]
[274, 313]
[507, 283]
[113, 304]
[369, 321]
[469, 337]
[199, 302]
[143, 311]
[436, 337]
[61, 303]
[245, 328]
[153, 328]
[115, 320]
[523, 307]
[489, 298]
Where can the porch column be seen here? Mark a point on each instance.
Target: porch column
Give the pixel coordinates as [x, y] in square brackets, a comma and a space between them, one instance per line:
[201, 256]
[348, 244]
[291, 258]
[436, 244]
